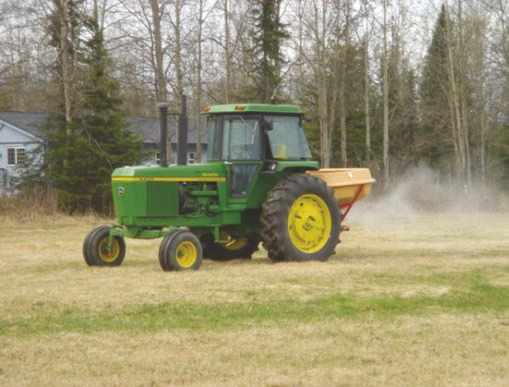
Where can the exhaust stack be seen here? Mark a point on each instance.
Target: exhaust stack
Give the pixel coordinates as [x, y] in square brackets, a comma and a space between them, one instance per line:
[163, 125]
[182, 132]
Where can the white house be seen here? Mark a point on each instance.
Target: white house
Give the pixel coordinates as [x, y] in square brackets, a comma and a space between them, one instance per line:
[19, 134]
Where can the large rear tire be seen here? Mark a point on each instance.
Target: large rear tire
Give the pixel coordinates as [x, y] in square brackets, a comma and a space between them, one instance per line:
[95, 248]
[300, 220]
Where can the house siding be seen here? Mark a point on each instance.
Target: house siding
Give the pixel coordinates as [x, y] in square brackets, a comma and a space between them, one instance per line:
[13, 138]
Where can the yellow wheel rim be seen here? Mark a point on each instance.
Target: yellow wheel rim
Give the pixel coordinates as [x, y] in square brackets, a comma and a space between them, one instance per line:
[108, 256]
[309, 223]
[186, 254]
[233, 244]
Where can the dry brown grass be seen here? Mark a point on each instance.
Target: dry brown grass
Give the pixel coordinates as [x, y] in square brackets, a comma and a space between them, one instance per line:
[411, 256]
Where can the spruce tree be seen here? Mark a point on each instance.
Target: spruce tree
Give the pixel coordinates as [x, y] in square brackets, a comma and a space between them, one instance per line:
[403, 112]
[434, 137]
[64, 31]
[351, 78]
[499, 155]
[83, 153]
[268, 34]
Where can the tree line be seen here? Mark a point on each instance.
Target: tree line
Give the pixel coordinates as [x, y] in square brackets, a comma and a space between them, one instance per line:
[386, 84]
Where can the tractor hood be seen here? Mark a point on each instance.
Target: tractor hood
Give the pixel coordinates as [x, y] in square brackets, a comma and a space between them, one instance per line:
[155, 196]
[180, 173]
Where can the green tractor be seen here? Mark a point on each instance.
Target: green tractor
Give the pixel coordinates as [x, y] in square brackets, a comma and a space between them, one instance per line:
[256, 187]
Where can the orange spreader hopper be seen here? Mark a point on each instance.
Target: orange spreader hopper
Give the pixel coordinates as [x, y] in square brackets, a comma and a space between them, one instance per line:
[349, 184]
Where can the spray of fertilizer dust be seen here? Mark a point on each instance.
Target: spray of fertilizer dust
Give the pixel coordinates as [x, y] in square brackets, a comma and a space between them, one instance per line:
[421, 190]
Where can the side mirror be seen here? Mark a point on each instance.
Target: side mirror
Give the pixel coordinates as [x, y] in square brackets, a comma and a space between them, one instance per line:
[267, 125]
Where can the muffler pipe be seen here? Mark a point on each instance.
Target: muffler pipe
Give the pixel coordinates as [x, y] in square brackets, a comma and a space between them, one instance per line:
[182, 132]
[163, 125]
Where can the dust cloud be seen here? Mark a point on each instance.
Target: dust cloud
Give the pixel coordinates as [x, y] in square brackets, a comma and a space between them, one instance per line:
[421, 190]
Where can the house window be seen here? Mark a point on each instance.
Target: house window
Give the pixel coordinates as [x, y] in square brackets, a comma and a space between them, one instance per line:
[190, 158]
[16, 156]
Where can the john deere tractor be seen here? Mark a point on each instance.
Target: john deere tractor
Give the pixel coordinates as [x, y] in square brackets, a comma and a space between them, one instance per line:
[253, 189]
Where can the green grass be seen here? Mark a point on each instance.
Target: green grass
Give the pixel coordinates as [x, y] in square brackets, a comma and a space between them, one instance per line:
[470, 295]
[413, 304]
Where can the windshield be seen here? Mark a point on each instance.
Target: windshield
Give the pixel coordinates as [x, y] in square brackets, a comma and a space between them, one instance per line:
[286, 138]
[255, 136]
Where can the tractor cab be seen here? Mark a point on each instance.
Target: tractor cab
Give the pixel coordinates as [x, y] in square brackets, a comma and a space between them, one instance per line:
[254, 138]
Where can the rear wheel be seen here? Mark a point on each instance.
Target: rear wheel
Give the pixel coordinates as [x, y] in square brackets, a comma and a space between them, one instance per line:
[300, 220]
[96, 251]
[233, 249]
[180, 250]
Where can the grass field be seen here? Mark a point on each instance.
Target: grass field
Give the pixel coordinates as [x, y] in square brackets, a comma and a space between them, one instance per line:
[413, 300]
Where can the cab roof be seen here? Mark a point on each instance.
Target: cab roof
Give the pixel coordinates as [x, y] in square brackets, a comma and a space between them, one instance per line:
[252, 107]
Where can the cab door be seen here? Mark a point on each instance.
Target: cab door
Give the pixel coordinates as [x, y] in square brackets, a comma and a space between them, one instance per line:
[235, 139]
[241, 177]
[242, 152]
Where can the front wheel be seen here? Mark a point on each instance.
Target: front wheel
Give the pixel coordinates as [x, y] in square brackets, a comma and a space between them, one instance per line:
[300, 220]
[96, 251]
[180, 250]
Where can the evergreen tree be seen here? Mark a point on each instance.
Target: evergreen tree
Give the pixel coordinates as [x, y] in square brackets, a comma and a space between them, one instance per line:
[499, 155]
[434, 138]
[351, 54]
[84, 152]
[268, 35]
[403, 113]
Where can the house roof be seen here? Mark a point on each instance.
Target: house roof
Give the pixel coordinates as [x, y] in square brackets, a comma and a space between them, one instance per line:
[146, 127]
[28, 122]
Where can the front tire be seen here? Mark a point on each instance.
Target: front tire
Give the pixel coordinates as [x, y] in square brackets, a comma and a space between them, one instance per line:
[300, 220]
[180, 250]
[95, 248]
